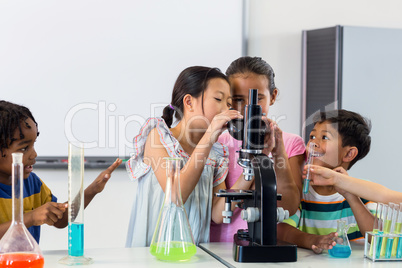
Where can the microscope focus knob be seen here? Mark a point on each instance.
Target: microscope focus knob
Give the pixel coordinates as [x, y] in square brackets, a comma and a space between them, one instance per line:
[227, 213]
[227, 220]
[250, 214]
[281, 214]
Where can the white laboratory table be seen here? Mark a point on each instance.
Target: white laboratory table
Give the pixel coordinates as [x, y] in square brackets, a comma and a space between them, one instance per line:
[305, 258]
[129, 257]
[140, 257]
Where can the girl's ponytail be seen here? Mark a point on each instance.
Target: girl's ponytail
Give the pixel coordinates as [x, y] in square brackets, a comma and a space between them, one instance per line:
[168, 115]
[192, 80]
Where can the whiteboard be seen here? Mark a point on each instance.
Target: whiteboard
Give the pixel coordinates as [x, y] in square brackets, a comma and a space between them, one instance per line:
[94, 71]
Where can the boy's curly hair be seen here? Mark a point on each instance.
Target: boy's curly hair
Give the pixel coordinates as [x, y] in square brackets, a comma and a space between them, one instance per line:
[11, 117]
[353, 128]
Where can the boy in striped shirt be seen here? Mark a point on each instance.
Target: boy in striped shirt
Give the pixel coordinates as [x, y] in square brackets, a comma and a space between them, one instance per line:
[341, 138]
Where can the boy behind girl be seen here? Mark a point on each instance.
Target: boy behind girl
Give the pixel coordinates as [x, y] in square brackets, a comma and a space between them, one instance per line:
[341, 138]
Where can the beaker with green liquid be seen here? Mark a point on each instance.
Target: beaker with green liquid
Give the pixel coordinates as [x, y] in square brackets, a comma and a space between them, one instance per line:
[173, 239]
[75, 207]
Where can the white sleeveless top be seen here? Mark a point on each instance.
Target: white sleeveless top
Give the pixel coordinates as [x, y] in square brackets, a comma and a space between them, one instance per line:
[149, 197]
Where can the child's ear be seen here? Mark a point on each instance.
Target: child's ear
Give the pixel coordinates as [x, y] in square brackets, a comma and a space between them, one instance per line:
[351, 154]
[273, 97]
[188, 102]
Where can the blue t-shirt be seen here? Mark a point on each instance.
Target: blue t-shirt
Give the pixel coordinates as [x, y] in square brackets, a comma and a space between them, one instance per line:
[36, 194]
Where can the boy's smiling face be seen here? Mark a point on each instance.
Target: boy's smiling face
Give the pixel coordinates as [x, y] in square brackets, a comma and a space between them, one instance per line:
[329, 151]
[25, 146]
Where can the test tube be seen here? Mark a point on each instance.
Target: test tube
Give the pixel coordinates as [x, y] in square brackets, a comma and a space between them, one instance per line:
[381, 220]
[377, 218]
[391, 236]
[387, 227]
[398, 227]
[311, 152]
[75, 207]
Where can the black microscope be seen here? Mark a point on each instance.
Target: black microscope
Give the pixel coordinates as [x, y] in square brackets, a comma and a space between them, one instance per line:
[259, 242]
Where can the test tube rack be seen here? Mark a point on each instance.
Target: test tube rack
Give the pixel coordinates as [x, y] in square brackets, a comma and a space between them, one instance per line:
[372, 251]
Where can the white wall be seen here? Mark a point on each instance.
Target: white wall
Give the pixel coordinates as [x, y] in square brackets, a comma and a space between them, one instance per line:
[275, 34]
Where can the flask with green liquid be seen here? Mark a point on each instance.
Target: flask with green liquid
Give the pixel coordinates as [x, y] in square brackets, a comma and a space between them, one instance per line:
[173, 239]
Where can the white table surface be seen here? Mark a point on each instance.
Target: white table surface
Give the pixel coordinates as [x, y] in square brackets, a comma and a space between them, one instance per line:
[307, 258]
[129, 257]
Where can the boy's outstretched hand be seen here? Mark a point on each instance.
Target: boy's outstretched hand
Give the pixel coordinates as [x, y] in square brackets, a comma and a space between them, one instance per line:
[99, 183]
[324, 242]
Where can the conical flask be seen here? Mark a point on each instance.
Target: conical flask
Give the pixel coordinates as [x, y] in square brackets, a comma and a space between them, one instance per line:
[17, 247]
[173, 239]
[342, 248]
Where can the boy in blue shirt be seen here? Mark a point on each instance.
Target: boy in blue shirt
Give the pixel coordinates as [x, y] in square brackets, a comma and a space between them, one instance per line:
[18, 133]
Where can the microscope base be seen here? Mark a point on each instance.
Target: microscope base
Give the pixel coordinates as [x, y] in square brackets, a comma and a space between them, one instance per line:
[246, 251]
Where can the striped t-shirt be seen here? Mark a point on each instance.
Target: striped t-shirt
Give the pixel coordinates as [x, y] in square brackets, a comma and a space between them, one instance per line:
[36, 194]
[318, 214]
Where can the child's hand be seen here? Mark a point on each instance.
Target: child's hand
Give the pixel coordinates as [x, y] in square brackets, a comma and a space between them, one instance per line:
[324, 242]
[273, 140]
[321, 176]
[219, 123]
[99, 183]
[48, 213]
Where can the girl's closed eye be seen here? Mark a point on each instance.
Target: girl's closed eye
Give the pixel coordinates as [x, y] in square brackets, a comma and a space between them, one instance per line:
[218, 99]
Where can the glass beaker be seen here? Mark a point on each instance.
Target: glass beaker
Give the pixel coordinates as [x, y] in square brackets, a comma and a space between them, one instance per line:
[173, 239]
[17, 247]
[75, 207]
[342, 248]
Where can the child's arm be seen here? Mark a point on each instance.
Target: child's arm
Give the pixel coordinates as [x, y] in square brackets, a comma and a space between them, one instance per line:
[286, 173]
[317, 243]
[296, 165]
[365, 189]
[189, 174]
[99, 183]
[363, 216]
[93, 189]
